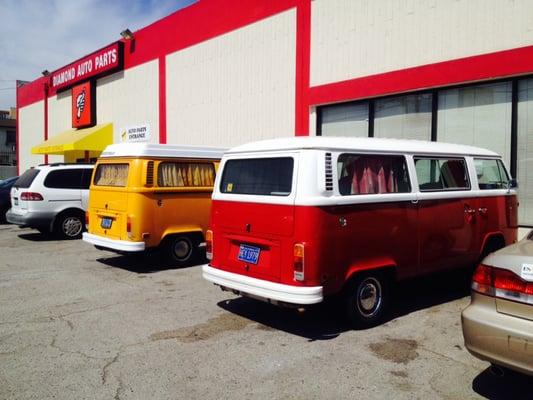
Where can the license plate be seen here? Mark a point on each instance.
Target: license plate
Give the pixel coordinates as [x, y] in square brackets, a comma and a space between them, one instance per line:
[249, 254]
[106, 223]
[15, 201]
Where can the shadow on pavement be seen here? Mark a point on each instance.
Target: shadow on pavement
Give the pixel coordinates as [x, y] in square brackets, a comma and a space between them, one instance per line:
[326, 321]
[510, 386]
[141, 263]
[39, 237]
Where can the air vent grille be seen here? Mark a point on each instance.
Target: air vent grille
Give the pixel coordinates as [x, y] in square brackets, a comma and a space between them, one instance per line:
[150, 173]
[329, 172]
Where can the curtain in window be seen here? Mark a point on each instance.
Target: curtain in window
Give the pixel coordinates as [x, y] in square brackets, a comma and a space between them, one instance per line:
[371, 176]
[111, 175]
[186, 175]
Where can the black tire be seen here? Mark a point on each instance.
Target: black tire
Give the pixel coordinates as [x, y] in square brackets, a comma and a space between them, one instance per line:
[367, 299]
[70, 225]
[180, 250]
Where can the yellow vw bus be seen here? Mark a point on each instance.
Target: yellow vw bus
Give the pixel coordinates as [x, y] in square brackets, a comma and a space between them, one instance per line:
[145, 196]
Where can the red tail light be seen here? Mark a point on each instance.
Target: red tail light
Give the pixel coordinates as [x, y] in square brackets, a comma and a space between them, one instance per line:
[128, 225]
[502, 283]
[209, 244]
[31, 196]
[299, 261]
[482, 280]
[87, 218]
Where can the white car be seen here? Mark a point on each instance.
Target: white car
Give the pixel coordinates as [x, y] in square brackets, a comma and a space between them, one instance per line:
[52, 198]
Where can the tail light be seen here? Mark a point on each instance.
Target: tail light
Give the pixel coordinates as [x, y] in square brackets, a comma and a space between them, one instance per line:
[209, 244]
[502, 283]
[87, 219]
[31, 196]
[128, 225]
[299, 262]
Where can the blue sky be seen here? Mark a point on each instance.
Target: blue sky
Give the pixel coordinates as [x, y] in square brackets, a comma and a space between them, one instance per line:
[46, 34]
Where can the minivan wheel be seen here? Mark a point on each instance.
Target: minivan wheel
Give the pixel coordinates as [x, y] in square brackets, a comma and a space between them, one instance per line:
[70, 226]
[180, 250]
[367, 299]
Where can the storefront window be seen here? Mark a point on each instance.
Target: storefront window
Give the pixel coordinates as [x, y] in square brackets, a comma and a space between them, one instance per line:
[403, 117]
[477, 115]
[524, 156]
[345, 120]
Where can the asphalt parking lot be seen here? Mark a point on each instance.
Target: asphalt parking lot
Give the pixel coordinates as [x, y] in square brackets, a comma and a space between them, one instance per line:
[78, 323]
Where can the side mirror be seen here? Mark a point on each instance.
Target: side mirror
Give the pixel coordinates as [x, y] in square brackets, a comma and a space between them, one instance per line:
[512, 184]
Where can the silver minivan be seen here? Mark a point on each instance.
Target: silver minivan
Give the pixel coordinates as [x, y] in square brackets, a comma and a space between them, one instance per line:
[52, 198]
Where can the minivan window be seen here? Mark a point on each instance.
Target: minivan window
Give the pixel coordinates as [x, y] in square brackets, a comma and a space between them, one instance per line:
[436, 174]
[491, 174]
[27, 178]
[111, 175]
[372, 174]
[86, 178]
[64, 179]
[259, 176]
[185, 174]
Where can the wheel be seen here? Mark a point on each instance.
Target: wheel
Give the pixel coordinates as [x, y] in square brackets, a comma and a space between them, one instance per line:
[367, 299]
[180, 250]
[70, 226]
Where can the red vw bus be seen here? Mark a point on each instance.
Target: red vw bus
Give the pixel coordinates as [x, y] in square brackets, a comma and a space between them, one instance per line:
[296, 220]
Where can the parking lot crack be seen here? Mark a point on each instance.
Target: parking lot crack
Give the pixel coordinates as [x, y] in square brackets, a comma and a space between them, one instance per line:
[106, 366]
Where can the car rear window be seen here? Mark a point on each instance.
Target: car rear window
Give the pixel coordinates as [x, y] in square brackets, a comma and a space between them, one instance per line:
[258, 176]
[27, 178]
[111, 175]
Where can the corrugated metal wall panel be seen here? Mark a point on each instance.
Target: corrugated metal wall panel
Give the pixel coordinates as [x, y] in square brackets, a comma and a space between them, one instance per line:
[31, 133]
[235, 88]
[59, 118]
[351, 39]
[128, 98]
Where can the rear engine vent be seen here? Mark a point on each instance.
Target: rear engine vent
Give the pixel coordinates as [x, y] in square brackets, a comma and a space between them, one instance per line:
[329, 173]
[150, 173]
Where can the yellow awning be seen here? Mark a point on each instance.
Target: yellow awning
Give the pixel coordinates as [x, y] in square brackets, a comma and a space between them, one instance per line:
[95, 138]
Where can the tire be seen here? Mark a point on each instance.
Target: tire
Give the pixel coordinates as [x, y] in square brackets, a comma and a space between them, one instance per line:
[70, 226]
[180, 250]
[367, 299]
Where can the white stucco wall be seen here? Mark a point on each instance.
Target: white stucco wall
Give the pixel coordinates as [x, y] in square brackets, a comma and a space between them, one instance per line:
[31, 133]
[351, 39]
[235, 88]
[130, 98]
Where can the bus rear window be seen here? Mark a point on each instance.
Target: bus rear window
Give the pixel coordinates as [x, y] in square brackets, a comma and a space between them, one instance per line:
[111, 175]
[258, 176]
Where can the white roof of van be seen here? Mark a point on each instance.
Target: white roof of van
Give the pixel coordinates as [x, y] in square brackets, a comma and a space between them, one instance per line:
[403, 146]
[161, 150]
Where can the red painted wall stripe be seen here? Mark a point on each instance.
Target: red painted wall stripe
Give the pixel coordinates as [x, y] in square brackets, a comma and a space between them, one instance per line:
[303, 61]
[162, 100]
[46, 88]
[496, 65]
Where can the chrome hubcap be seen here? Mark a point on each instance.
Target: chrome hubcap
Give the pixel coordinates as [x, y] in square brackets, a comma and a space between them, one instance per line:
[72, 226]
[182, 249]
[369, 297]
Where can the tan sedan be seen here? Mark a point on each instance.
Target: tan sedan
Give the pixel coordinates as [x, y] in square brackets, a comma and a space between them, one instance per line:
[498, 323]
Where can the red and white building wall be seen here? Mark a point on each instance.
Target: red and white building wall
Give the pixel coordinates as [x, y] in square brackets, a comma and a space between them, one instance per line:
[225, 72]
